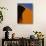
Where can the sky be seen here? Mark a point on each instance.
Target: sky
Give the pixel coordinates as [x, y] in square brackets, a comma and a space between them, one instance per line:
[28, 5]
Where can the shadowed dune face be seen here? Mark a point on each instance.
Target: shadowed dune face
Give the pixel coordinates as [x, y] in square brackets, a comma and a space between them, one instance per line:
[20, 11]
[25, 15]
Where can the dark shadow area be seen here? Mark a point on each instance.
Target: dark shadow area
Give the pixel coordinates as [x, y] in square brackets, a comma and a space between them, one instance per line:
[20, 11]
